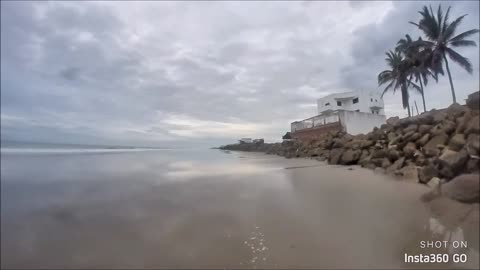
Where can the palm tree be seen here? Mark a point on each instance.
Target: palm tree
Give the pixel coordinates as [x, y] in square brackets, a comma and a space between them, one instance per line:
[396, 77]
[441, 40]
[417, 58]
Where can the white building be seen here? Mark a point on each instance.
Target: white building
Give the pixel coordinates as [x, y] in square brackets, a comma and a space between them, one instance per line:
[354, 112]
[245, 140]
[357, 101]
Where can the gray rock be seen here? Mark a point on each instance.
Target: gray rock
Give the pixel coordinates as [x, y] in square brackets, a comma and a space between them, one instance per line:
[391, 136]
[426, 173]
[446, 127]
[431, 146]
[463, 188]
[396, 165]
[434, 182]
[335, 155]
[456, 110]
[370, 166]
[409, 149]
[411, 127]
[473, 165]
[379, 170]
[473, 126]
[473, 144]
[408, 173]
[424, 129]
[364, 154]
[457, 142]
[462, 122]
[473, 101]
[393, 120]
[393, 154]
[386, 163]
[439, 116]
[381, 153]
[415, 136]
[377, 161]
[453, 160]
[350, 156]
[423, 140]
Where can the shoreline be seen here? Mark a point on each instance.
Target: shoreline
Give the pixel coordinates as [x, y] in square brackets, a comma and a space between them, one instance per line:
[432, 149]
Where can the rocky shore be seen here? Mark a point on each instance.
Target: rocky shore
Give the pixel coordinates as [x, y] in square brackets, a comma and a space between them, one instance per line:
[430, 148]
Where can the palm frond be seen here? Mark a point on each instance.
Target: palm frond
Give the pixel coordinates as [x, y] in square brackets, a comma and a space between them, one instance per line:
[464, 35]
[445, 21]
[459, 59]
[439, 18]
[450, 31]
[387, 88]
[463, 43]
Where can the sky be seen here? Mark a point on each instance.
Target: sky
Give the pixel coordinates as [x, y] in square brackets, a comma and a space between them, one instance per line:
[184, 73]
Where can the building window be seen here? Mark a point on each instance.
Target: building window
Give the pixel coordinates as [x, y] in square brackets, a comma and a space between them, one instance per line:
[327, 104]
[375, 100]
[371, 99]
[355, 100]
[373, 111]
[339, 103]
[357, 110]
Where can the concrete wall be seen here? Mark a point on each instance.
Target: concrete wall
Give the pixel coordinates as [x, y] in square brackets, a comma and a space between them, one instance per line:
[358, 122]
[315, 121]
[316, 132]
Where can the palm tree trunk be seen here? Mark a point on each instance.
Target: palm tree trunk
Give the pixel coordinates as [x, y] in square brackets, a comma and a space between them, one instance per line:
[423, 95]
[450, 79]
[405, 97]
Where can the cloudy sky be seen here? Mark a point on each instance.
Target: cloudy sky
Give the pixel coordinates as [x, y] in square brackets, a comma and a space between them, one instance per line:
[167, 73]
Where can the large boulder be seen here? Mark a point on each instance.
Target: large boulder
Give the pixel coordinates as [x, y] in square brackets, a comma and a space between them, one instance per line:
[473, 144]
[457, 142]
[463, 188]
[380, 153]
[396, 165]
[462, 122]
[473, 101]
[453, 160]
[431, 148]
[338, 143]
[425, 174]
[391, 136]
[438, 116]
[393, 154]
[350, 156]
[408, 173]
[335, 155]
[411, 127]
[473, 126]
[446, 127]
[456, 110]
[376, 161]
[424, 128]
[409, 149]
[393, 120]
[423, 140]
[473, 165]
[386, 163]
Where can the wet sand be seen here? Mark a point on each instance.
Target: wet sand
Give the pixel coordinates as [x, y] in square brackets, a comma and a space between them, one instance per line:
[213, 210]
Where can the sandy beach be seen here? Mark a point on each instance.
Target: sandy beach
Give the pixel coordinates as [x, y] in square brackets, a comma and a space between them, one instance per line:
[208, 209]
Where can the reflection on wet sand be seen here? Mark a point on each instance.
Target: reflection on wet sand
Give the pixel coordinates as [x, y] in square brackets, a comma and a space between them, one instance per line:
[226, 212]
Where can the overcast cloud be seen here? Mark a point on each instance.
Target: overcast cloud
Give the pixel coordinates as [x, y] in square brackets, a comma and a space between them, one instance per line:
[166, 73]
